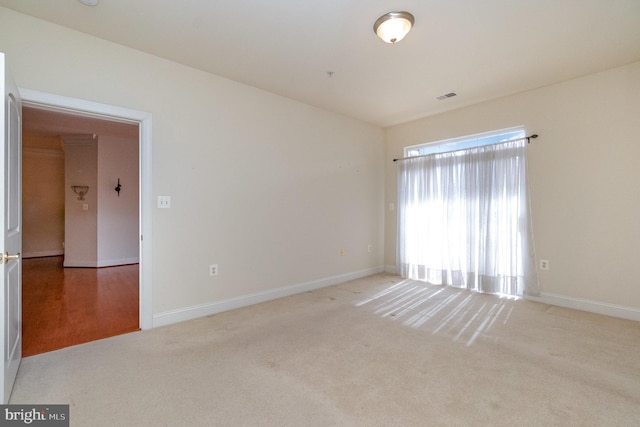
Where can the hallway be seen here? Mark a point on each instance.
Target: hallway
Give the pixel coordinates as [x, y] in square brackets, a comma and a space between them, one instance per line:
[62, 307]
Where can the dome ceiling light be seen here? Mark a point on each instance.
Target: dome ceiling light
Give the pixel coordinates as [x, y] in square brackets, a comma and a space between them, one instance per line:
[393, 26]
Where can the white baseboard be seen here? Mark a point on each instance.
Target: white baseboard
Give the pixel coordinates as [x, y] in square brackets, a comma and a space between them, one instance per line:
[82, 264]
[194, 312]
[391, 269]
[41, 254]
[114, 262]
[612, 310]
[101, 263]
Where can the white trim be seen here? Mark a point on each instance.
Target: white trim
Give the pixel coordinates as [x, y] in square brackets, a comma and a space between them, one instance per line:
[99, 264]
[607, 309]
[146, 209]
[126, 115]
[81, 107]
[42, 254]
[201, 310]
[391, 269]
[116, 262]
[69, 263]
[42, 152]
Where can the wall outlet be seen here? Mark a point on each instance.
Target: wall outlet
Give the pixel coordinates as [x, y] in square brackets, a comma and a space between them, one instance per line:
[369, 248]
[544, 264]
[213, 270]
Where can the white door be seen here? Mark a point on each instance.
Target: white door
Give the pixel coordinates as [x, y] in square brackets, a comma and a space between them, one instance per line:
[11, 234]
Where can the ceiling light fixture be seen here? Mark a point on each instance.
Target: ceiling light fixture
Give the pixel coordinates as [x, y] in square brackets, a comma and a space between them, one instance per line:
[89, 2]
[393, 26]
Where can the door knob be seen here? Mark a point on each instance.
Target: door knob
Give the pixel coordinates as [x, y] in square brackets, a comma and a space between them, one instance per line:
[8, 257]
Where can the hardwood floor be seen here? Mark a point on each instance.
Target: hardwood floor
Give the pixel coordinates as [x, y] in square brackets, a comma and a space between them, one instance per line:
[62, 307]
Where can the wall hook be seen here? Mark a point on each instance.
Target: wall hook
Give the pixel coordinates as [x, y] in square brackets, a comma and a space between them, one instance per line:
[118, 187]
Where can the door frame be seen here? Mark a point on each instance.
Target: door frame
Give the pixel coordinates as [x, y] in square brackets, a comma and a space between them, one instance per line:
[143, 119]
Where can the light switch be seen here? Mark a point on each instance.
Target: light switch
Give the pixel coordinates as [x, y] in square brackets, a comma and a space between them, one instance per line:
[164, 202]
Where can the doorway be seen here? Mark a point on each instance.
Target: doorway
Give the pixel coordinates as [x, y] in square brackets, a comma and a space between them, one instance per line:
[84, 110]
[67, 300]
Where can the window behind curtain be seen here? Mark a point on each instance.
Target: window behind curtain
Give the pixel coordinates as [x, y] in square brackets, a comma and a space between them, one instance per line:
[465, 142]
[463, 216]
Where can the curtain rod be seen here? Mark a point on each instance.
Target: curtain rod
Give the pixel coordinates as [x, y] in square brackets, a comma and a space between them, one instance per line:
[528, 138]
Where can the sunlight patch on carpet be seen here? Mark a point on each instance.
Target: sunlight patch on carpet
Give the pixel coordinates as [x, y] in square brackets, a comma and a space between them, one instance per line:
[463, 315]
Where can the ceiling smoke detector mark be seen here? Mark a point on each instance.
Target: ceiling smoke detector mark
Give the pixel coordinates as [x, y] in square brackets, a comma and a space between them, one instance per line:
[446, 95]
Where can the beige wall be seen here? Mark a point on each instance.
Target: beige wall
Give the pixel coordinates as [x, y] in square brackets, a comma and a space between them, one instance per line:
[268, 188]
[80, 225]
[42, 198]
[118, 216]
[584, 176]
[271, 189]
[43, 202]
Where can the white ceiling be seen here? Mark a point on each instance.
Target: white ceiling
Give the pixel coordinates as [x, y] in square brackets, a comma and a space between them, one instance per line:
[480, 49]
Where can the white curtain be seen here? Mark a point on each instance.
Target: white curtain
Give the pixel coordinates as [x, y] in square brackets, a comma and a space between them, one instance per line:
[464, 221]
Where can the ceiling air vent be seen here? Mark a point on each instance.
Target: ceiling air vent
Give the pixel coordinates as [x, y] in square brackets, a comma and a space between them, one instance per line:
[446, 95]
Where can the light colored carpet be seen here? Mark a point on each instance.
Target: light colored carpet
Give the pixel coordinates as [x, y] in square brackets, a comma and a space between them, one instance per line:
[377, 351]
